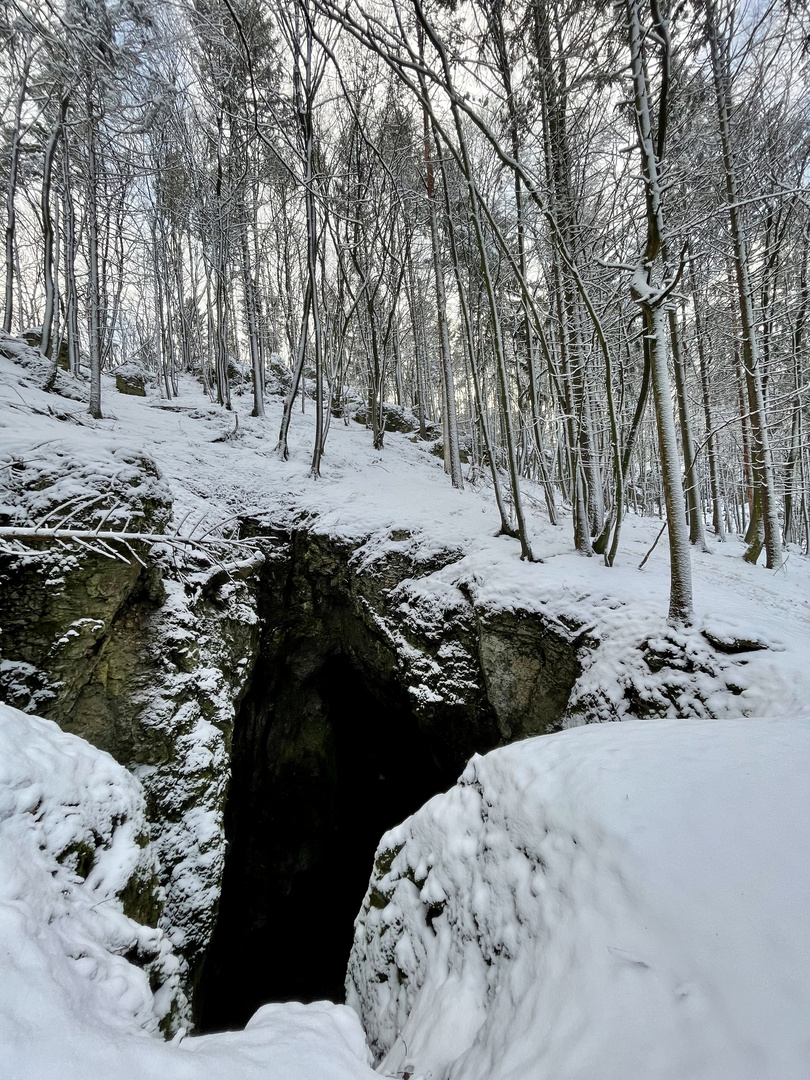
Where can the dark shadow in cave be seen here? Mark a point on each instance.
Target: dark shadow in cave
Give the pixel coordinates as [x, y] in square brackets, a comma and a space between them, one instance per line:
[320, 772]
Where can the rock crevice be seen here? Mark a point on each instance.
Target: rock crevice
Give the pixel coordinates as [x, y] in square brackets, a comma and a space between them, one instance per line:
[295, 709]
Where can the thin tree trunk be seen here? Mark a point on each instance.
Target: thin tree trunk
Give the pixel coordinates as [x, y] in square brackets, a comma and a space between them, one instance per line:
[763, 464]
[697, 534]
[705, 386]
[495, 321]
[48, 237]
[451, 447]
[535, 423]
[507, 527]
[418, 346]
[250, 315]
[71, 292]
[794, 454]
[282, 448]
[13, 166]
[92, 258]
[652, 298]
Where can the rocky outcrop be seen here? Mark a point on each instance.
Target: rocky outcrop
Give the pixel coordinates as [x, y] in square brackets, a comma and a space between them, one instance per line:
[335, 685]
[376, 679]
[397, 418]
[142, 659]
[33, 337]
[154, 676]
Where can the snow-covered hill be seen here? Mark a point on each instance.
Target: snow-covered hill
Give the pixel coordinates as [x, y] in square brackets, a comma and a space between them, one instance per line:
[217, 466]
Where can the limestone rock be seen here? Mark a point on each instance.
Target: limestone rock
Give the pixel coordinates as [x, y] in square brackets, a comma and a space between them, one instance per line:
[530, 666]
[33, 337]
[138, 662]
[397, 418]
[130, 379]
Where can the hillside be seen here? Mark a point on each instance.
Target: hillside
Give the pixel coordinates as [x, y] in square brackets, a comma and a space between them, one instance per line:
[323, 660]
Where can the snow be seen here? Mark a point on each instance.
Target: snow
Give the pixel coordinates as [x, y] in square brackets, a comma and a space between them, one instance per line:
[72, 1005]
[622, 901]
[72, 836]
[399, 501]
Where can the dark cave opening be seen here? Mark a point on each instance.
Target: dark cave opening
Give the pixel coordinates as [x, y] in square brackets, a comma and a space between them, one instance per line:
[321, 769]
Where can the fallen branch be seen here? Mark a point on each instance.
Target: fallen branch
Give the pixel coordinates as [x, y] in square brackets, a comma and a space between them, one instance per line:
[655, 544]
[99, 540]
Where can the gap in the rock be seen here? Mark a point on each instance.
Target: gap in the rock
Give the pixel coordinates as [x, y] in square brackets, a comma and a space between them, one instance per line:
[321, 771]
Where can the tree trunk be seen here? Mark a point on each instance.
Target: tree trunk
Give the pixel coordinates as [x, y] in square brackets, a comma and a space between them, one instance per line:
[92, 259]
[486, 275]
[761, 450]
[48, 231]
[13, 165]
[652, 297]
[450, 425]
[694, 510]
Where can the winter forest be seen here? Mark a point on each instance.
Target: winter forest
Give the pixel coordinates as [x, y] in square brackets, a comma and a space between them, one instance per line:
[384, 383]
[576, 236]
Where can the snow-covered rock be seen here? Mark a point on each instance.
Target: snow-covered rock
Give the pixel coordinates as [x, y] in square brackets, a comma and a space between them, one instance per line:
[131, 379]
[78, 888]
[84, 981]
[624, 901]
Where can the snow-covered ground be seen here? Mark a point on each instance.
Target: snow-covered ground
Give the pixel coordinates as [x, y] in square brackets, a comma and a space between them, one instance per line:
[657, 929]
[374, 498]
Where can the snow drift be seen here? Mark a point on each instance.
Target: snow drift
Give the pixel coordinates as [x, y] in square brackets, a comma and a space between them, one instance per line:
[623, 901]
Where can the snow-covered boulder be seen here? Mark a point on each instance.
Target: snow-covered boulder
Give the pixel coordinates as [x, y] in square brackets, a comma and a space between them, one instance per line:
[396, 418]
[131, 379]
[624, 901]
[84, 980]
[33, 337]
[79, 895]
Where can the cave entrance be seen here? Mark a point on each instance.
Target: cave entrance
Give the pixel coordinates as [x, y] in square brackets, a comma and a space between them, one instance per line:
[320, 771]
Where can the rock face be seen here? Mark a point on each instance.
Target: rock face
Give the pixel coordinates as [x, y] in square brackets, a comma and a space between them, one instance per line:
[368, 695]
[141, 661]
[154, 677]
[529, 670]
[334, 690]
